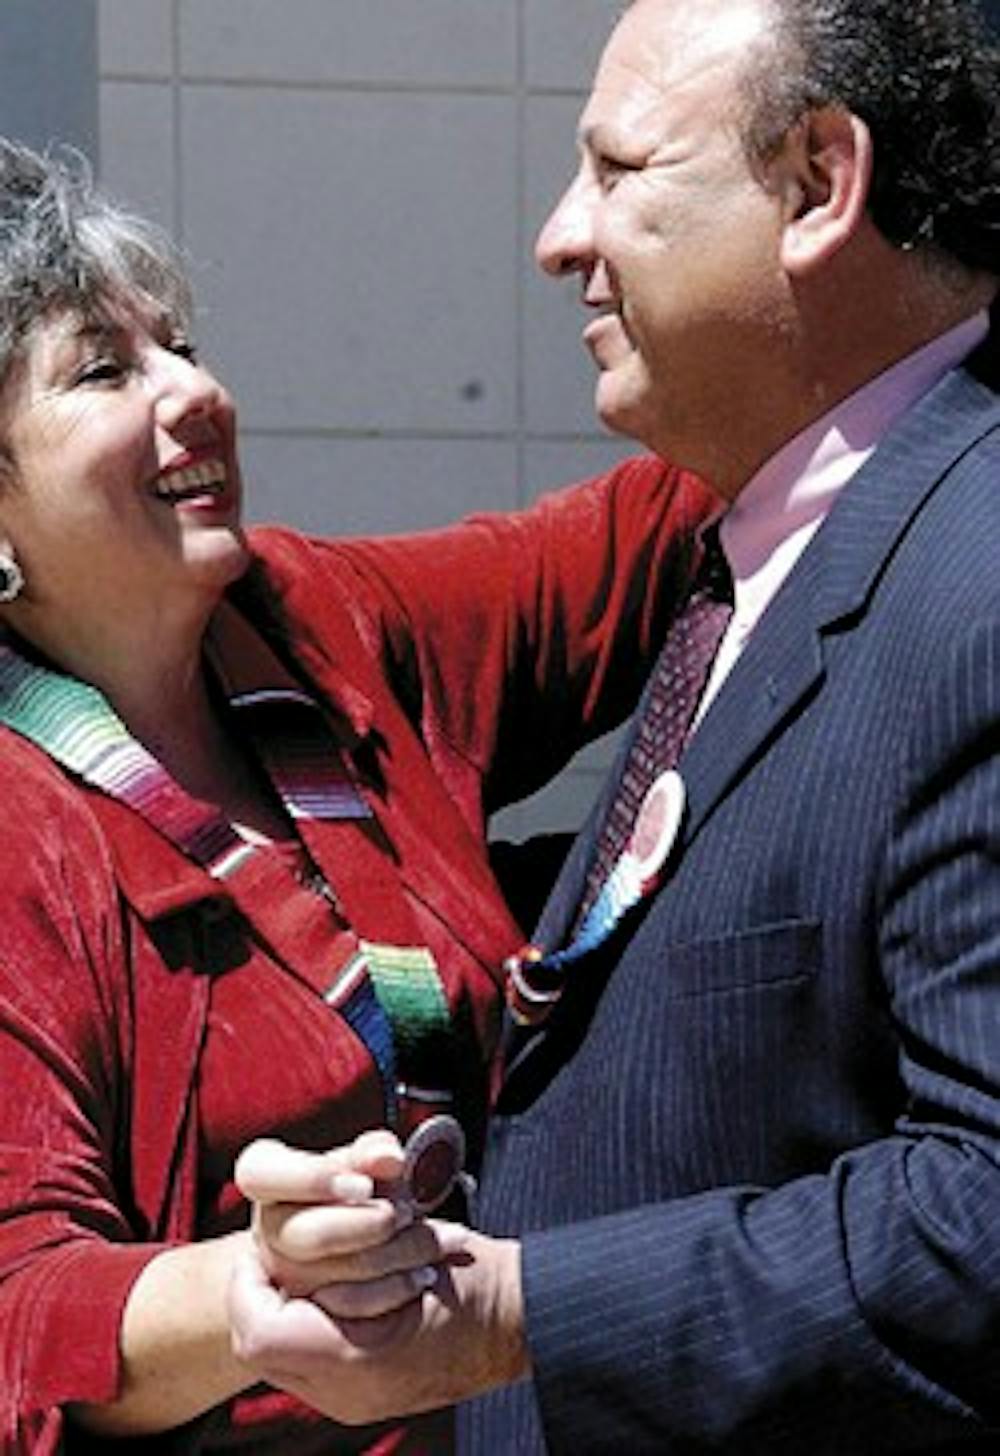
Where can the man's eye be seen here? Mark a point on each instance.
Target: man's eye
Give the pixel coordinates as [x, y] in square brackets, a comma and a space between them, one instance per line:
[610, 171]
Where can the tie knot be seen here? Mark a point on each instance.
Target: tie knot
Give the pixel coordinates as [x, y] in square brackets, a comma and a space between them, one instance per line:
[714, 578]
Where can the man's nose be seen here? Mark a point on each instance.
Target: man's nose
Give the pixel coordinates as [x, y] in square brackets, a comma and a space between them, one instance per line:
[565, 243]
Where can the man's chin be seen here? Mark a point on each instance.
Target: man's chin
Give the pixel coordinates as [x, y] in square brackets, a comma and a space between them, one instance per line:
[615, 405]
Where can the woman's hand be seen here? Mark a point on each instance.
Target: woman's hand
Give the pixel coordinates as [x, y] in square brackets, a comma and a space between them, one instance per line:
[177, 1358]
[340, 1218]
[346, 1300]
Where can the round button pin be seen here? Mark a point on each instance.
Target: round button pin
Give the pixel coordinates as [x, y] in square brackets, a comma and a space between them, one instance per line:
[433, 1157]
[657, 824]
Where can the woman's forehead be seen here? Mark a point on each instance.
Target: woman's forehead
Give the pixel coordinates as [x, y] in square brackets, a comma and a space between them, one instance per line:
[105, 314]
[56, 337]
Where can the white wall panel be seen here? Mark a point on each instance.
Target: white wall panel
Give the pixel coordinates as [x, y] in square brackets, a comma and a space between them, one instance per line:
[414, 42]
[549, 464]
[135, 37]
[564, 39]
[359, 259]
[351, 487]
[137, 147]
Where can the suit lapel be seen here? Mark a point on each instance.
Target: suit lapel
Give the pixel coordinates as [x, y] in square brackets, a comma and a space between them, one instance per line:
[783, 663]
[831, 584]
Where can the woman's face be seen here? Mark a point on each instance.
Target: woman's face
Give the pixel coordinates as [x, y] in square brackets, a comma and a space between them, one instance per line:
[123, 484]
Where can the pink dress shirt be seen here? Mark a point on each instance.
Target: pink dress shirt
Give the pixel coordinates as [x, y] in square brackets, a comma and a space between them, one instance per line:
[782, 507]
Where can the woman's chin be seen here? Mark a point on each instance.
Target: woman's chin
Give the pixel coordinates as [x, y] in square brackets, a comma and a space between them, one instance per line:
[218, 558]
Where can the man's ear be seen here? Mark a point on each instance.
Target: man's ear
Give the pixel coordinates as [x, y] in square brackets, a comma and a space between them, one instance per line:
[823, 173]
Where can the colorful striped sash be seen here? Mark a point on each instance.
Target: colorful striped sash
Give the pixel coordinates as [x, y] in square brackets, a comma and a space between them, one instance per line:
[392, 996]
[644, 816]
[76, 725]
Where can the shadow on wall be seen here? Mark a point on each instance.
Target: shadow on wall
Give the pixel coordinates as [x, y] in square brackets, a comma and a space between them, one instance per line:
[48, 76]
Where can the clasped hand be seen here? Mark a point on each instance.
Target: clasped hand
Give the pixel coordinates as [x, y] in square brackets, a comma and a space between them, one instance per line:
[347, 1300]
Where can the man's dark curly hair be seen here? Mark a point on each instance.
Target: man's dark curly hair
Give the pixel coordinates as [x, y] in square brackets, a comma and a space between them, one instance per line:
[924, 75]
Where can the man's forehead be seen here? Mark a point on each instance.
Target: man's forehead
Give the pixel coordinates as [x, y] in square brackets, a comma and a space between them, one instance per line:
[662, 45]
[727, 20]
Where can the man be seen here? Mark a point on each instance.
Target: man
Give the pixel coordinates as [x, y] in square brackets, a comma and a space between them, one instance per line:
[747, 1170]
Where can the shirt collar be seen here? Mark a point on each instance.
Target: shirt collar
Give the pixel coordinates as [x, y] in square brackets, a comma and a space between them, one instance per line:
[794, 490]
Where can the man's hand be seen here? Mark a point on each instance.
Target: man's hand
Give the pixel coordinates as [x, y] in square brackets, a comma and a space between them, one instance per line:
[347, 1301]
[461, 1335]
[335, 1217]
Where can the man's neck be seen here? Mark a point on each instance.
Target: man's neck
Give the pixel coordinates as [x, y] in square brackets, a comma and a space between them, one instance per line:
[850, 332]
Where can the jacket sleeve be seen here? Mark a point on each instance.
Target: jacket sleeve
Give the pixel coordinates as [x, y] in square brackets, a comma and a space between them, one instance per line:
[68, 1253]
[866, 1299]
[513, 639]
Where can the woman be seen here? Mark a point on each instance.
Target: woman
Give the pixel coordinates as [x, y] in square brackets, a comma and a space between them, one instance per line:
[245, 781]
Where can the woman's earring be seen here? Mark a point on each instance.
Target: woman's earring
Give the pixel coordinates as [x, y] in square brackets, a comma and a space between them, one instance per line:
[11, 575]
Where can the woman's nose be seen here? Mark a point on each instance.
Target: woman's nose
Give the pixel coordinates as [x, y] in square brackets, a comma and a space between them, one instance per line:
[185, 387]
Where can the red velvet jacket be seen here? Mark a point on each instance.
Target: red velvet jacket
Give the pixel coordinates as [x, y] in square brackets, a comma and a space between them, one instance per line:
[478, 659]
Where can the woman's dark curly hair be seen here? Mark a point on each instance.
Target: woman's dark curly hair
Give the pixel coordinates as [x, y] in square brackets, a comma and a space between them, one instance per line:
[924, 75]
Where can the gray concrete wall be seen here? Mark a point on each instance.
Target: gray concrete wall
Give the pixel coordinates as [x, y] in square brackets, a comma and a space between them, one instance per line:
[48, 72]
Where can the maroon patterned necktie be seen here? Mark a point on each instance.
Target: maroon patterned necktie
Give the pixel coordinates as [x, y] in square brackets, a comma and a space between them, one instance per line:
[677, 684]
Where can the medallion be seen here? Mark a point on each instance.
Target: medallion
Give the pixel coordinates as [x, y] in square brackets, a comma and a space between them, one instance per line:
[434, 1155]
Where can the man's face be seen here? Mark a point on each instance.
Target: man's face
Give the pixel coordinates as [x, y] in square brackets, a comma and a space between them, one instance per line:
[674, 236]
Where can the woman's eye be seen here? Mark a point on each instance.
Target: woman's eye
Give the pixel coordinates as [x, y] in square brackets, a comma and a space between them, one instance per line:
[101, 371]
[184, 348]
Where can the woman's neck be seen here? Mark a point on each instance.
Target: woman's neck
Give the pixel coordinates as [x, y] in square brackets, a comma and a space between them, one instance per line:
[145, 658]
[153, 673]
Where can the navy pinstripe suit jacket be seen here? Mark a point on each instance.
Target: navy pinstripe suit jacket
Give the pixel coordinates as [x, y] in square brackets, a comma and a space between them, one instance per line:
[756, 1152]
